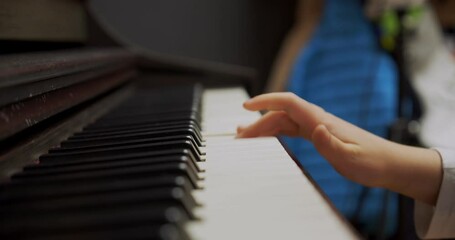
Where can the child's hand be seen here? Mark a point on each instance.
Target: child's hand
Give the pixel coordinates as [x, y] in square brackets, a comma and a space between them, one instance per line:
[344, 145]
[355, 153]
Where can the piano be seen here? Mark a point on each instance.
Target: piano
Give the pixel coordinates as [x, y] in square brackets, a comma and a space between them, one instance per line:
[91, 149]
[126, 161]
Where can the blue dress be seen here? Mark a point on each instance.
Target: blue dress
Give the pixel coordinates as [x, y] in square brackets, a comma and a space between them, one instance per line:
[343, 70]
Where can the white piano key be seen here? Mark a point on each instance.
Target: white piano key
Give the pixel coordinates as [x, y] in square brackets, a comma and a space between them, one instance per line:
[222, 111]
[252, 188]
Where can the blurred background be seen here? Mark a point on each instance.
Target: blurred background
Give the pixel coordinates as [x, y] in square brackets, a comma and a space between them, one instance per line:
[386, 66]
[245, 33]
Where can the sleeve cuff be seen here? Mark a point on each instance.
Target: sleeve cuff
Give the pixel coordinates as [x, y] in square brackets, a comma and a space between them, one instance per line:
[439, 221]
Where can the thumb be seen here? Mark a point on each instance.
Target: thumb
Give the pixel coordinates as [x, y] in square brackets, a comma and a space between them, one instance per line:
[330, 147]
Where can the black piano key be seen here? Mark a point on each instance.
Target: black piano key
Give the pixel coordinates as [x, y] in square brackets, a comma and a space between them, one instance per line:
[96, 140]
[42, 170]
[133, 121]
[135, 105]
[142, 129]
[155, 104]
[93, 219]
[187, 129]
[127, 145]
[156, 109]
[151, 157]
[17, 191]
[161, 169]
[115, 162]
[173, 195]
[160, 100]
[129, 127]
[141, 232]
[147, 114]
[96, 154]
[112, 181]
[122, 157]
[75, 149]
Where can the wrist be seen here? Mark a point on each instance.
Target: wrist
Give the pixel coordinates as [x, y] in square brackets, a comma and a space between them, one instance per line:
[414, 172]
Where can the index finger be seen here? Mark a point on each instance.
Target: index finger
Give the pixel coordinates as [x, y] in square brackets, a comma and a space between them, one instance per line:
[272, 102]
[305, 114]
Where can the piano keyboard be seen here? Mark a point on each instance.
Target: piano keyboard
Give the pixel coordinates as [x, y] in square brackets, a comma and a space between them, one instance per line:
[253, 188]
[146, 170]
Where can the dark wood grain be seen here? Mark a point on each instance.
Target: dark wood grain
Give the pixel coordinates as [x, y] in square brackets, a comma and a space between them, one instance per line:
[32, 146]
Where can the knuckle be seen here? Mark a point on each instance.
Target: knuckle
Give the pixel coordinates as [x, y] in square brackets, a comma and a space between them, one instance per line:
[291, 100]
[319, 108]
[326, 119]
[354, 154]
[291, 96]
[282, 118]
[281, 114]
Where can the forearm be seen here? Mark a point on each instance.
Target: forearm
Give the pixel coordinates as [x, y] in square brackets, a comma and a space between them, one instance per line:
[411, 171]
[414, 172]
[355, 153]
